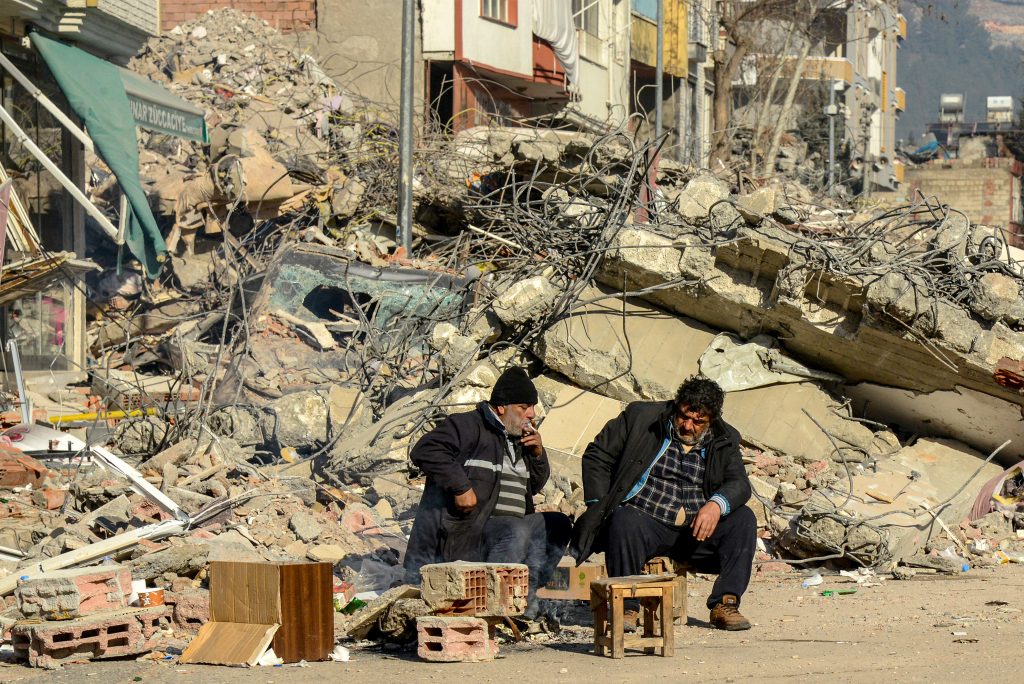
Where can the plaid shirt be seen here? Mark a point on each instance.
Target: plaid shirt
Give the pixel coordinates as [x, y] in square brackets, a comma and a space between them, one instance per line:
[676, 480]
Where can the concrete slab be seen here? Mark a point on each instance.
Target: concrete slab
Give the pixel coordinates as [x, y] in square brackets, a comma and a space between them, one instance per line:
[773, 418]
[626, 351]
[572, 422]
[979, 420]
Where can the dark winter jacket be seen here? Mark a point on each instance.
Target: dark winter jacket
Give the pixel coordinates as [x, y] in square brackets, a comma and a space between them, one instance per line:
[623, 451]
[465, 450]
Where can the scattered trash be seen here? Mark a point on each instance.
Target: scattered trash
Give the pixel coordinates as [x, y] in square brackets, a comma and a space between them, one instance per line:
[812, 581]
[339, 654]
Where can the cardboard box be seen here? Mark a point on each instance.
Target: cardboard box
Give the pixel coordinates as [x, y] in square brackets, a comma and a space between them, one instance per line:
[296, 596]
[571, 582]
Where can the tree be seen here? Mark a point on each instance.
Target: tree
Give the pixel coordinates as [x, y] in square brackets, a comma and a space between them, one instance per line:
[738, 22]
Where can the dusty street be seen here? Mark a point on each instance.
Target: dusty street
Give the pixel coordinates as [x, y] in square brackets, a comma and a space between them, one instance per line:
[934, 628]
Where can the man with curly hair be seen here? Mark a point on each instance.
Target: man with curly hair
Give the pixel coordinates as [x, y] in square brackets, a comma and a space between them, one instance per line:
[666, 478]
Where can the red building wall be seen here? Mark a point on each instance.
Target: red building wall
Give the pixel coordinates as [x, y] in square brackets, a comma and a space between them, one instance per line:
[287, 15]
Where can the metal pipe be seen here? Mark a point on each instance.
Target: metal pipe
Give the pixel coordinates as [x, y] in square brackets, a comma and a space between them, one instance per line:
[35, 92]
[66, 182]
[831, 135]
[659, 70]
[405, 127]
[26, 410]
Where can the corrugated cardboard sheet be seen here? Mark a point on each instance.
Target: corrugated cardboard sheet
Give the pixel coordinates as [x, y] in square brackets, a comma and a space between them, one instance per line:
[229, 643]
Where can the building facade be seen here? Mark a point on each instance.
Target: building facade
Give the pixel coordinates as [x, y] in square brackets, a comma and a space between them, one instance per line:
[854, 49]
[42, 293]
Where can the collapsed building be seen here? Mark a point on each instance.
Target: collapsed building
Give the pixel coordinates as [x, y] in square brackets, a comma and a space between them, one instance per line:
[270, 383]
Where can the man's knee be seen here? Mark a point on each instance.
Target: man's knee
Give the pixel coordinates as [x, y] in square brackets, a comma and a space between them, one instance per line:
[557, 527]
[738, 533]
[743, 521]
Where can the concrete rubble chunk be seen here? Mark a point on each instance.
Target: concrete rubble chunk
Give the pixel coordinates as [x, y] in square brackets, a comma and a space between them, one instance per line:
[68, 594]
[479, 589]
[645, 354]
[696, 200]
[890, 515]
[305, 526]
[755, 206]
[998, 298]
[525, 300]
[301, 419]
[330, 553]
[184, 561]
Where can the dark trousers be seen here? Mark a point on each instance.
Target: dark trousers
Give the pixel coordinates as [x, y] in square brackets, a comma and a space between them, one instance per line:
[635, 537]
[537, 540]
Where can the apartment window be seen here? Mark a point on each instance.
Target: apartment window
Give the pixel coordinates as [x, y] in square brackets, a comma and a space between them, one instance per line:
[586, 14]
[505, 11]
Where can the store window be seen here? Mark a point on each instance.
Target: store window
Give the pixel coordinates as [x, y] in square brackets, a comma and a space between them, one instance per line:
[39, 325]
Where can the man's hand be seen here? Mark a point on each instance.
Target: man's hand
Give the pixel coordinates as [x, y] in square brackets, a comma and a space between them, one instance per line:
[466, 501]
[706, 521]
[532, 443]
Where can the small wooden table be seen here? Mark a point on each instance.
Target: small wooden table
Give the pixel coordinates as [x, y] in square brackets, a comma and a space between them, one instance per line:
[655, 595]
[663, 565]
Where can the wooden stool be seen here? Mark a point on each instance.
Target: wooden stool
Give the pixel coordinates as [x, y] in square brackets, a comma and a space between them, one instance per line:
[654, 592]
[663, 565]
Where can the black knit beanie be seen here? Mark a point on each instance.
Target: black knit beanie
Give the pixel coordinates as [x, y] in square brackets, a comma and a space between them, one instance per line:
[514, 387]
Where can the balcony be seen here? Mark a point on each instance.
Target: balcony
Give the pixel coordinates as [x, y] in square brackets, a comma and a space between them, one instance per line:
[828, 68]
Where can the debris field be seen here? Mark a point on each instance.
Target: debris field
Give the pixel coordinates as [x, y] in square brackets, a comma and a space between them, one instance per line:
[257, 403]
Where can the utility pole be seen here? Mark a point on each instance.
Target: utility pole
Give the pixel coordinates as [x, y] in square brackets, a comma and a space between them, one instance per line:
[405, 126]
[659, 70]
[831, 112]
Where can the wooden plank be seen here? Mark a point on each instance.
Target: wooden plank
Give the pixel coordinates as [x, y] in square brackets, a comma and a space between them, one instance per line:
[307, 612]
[630, 580]
[229, 643]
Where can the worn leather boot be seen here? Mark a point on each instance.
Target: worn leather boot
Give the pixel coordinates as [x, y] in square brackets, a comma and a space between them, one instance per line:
[726, 615]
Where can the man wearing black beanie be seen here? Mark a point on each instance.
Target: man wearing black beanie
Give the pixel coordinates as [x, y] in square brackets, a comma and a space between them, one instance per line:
[483, 468]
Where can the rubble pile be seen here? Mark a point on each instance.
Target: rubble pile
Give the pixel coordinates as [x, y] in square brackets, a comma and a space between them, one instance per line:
[275, 380]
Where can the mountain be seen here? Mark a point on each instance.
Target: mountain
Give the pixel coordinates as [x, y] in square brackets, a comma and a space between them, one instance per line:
[1003, 20]
[949, 50]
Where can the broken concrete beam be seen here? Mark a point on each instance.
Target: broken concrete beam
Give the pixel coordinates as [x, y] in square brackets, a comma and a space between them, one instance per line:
[66, 594]
[184, 561]
[758, 284]
[106, 635]
[625, 351]
[481, 589]
[454, 640]
[889, 516]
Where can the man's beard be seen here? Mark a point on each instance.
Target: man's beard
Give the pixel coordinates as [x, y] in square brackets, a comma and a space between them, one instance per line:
[512, 426]
[692, 439]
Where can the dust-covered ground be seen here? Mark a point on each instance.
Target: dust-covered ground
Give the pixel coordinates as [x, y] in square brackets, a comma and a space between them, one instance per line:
[931, 628]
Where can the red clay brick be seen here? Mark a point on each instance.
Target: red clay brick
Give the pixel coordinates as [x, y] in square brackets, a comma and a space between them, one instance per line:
[64, 594]
[454, 639]
[105, 635]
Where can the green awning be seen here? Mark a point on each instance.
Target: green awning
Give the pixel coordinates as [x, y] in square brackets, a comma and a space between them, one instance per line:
[157, 109]
[96, 92]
